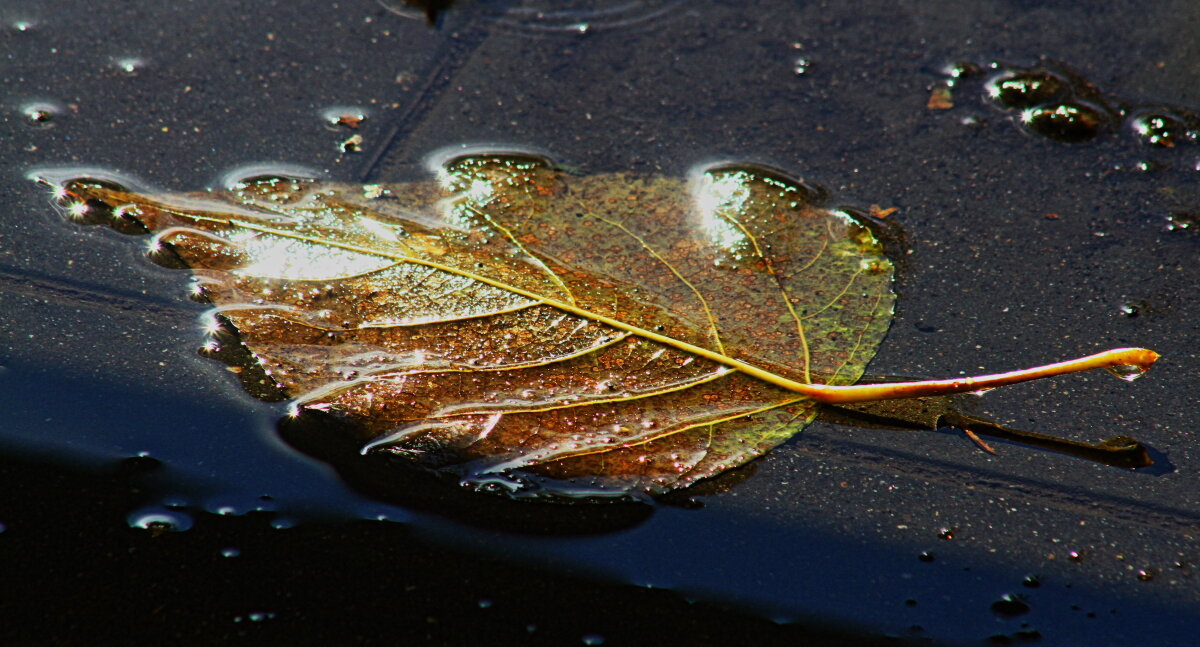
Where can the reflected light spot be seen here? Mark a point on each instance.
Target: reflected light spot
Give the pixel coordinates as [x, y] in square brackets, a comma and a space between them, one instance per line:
[274, 257]
[479, 191]
[717, 200]
[377, 228]
[210, 324]
[77, 209]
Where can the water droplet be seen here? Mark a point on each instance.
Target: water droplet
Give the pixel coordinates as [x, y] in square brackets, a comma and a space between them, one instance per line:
[1181, 220]
[41, 114]
[593, 639]
[1133, 308]
[801, 66]
[1127, 372]
[259, 616]
[962, 70]
[343, 117]
[1160, 129]
[926, 556]
[1031, 581]
[230, 552]
[1070, 122]
[23, 25]
[1010, 606]
[159, 520]
[283, 523]
[129, 65]
[1026, 89]
[946, 533]
[485, 604]
[1075, 556]
[1146, 574]
[353, 144]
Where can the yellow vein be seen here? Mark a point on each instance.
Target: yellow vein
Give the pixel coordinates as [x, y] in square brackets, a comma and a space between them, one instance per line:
[513, 239]
[675, 388]
[783, 291]
[663, 434]
[861, 335]
[721, 358]
[836, 297]
[337, 388]
[1140, 357]
[712, 320]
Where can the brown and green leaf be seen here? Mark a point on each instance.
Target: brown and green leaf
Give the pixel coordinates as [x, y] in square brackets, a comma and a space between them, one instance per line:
[610, 333]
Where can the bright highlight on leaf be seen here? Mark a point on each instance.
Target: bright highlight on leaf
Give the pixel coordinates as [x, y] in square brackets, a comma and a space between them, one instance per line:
[514, 325]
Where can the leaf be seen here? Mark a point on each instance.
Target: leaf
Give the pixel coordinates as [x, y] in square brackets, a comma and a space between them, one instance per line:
[524, 329]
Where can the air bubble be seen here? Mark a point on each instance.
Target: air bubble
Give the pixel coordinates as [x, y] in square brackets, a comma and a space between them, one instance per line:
[962, 70]
[159, 520]
[1065, 122]
[1010, 606]
[1026, 89]
[1160, 129]
[129, 65]
[1183, 220]
[801, 66]
[41, 114]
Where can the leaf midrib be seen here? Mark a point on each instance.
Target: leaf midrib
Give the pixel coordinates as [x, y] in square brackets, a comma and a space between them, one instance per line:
[721, 358]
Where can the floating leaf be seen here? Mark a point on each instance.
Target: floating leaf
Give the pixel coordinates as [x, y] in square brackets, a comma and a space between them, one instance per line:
[524, 328]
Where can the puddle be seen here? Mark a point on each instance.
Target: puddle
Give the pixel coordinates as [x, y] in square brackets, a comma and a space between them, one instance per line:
[1005, 264]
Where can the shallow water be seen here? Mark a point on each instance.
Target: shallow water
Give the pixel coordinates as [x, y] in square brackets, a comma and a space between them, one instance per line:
[1021, 250]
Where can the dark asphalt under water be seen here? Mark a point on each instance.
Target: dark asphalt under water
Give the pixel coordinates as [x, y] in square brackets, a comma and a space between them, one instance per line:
[1019, 250]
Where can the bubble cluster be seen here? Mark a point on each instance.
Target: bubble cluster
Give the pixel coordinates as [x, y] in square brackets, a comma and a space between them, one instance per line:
[1051, 101]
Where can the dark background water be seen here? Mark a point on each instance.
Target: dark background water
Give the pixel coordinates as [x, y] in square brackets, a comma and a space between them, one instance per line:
[1019, 250]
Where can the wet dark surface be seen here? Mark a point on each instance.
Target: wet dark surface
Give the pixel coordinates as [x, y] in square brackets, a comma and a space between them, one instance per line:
[1023, 250]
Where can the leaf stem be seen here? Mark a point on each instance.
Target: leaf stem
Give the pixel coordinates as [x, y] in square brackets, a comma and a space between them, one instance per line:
[1138, 360]
[1126, 363]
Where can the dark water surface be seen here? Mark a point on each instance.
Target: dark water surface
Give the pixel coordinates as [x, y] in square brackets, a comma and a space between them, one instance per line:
[1020, 250]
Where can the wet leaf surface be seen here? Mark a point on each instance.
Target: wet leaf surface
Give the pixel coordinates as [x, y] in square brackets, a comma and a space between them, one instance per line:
[538, 334]
[607, 333]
